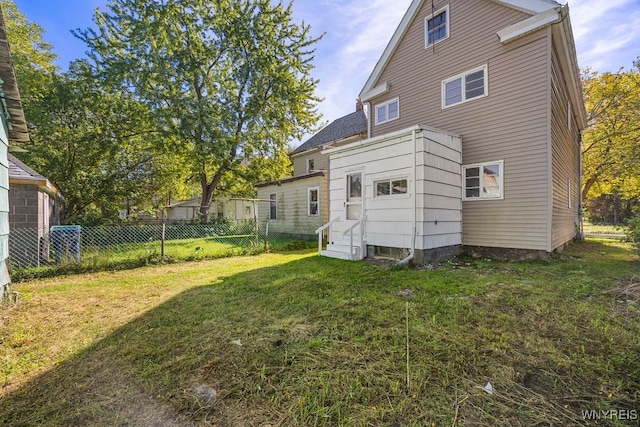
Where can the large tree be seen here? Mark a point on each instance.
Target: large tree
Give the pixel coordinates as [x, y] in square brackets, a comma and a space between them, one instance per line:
[611, 144]
[229, 78]
[32, 56]
[98, 147]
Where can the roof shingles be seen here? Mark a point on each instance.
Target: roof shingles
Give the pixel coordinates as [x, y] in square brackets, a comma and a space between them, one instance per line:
[344, 127]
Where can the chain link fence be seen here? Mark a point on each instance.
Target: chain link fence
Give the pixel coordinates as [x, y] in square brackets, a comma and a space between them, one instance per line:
[130, 244]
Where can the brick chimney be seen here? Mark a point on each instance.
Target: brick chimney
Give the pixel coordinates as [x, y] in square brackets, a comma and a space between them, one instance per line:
[359, 106]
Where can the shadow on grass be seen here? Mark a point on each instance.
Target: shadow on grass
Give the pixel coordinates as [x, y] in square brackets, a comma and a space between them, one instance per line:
[323, 342]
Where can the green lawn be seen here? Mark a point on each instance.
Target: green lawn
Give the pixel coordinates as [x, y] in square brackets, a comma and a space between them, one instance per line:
[603, 229]
[294, 339]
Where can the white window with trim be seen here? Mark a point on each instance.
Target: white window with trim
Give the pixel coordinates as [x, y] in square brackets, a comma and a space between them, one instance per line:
[391, 187]
[310, 165]
[273, 206]
[465, 87]
[387, 111]
[436, 26]
[484, 181]
[313, 201]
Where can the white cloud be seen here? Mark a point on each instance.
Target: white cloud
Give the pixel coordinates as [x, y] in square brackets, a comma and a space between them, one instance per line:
[357, 31]
[607, 33]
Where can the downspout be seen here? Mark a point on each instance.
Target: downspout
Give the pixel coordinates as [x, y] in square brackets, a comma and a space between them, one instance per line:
[580, 207]
[415, 202]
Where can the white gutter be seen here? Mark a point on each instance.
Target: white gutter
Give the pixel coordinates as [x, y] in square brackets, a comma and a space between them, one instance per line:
[357, 144]
[529, 25]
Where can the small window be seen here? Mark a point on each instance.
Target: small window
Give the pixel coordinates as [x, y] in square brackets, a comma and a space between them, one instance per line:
[483, 181]
[387, 111]
[313, 201]
[391, 187]
[436, 26]
[310, 165]
[273, 206]
[464, 87]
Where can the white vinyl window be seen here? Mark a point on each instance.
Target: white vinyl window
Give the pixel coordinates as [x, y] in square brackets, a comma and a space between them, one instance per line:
[391, 187]
[436, 26]
[273, 206]
[483, 181]
[310, 165]
[465, 87]
[387, 111]
[313, 201]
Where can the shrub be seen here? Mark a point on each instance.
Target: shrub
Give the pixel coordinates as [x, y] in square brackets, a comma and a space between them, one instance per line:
[633, 232]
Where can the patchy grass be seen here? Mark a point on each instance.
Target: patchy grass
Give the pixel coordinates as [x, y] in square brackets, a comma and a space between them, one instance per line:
[134, 255]
[294, 339]
[603, 228]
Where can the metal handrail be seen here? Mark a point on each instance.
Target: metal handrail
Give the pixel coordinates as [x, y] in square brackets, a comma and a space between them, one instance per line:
[350, 232]
[324, 227]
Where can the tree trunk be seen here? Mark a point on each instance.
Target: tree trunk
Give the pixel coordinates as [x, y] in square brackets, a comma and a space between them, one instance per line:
[205, 202]
[587, 186]
[616, 208]
[208, 188]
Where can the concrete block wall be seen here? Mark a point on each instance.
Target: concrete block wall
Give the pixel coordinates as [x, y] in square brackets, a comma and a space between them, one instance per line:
[24, 207]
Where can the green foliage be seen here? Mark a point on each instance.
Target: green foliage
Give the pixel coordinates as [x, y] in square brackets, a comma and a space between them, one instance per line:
[98, 147]
[611, 152]
[32, 56]
[230, 80]
[611, 209]
[633, 232]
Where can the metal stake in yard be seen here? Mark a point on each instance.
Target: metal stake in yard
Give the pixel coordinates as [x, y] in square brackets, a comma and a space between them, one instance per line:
[407, 330]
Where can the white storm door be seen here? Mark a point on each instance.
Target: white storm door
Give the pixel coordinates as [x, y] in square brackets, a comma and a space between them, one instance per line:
[354, 196]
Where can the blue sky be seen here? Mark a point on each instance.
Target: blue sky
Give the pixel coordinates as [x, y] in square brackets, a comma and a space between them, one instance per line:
[607, 34]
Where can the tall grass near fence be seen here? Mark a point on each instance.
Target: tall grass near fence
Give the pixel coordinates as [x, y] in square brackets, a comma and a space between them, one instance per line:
[34, 253]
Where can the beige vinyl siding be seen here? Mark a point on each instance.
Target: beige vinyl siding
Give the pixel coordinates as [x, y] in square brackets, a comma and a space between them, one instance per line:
[292, 206]
[320, 162]
[565, 152]
[510, 124]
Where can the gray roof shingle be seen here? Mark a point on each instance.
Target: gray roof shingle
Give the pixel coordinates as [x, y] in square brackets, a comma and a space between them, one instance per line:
[17, 169]
[344, 127]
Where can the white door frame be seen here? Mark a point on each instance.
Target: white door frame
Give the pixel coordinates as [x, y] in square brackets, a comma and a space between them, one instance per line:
[358, 200]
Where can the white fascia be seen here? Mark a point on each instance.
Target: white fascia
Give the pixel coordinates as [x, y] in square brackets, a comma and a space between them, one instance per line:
[529, 25]
[376, 91]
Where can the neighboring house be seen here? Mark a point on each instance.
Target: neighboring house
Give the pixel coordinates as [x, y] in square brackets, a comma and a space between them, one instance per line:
[12, 129]
[472, 140]
[33, 209]
[221, 208]
[297, 206]
[33, 199]
[474, 137]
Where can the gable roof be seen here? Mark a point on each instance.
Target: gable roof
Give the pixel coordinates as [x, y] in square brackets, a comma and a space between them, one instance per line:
[531, 7]
[10, 94]
[543, 13]
[344, 127]
[19, 173]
